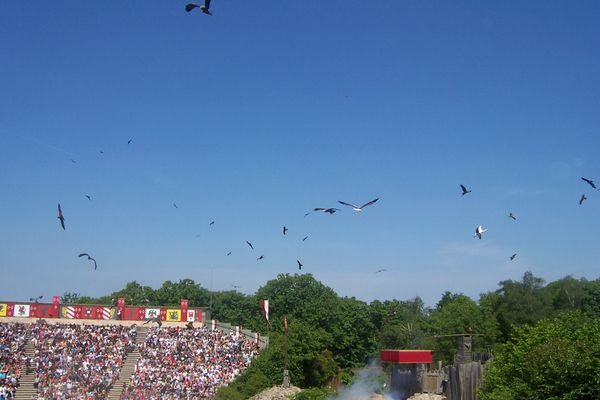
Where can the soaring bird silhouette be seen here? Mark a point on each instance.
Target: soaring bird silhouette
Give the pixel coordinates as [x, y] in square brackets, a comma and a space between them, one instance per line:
[90, 259]
[205, 8]
[250, 244]
[285, 230]
[175, 205]
[35, 299]
[589, 182]
[380, 270]
[464, 190]
[581, 200]
[155, 319]
[304, 238]
[88, 197]
[513, 256]
[327, 210]
[479, 231]
[260, 258]
[356, 208]
[129, 141]
[511, 216]
[306, 214]
[61, 217]
[212, 223]
[229, 253]
[300, 265]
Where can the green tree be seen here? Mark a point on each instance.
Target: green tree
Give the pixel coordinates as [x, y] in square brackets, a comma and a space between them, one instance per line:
[555, 359]
[69, 298]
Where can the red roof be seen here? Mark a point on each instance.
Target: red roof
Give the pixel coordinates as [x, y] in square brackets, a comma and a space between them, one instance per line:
[407, 356]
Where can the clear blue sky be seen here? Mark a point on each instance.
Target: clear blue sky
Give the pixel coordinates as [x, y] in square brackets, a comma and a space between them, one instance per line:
[268, 109]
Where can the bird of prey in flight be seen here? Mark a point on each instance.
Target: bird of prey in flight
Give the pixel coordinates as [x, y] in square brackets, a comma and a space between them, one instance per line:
[304, 238]
[229, 253]
[581, 200]
[464, 190]
[35, 299]
[205, 8]
[357, 208]
[589, 182]
[380, 270]
[90, 259]
[285, 230]
[479, 231]
[306, 214]
[88, 197]
[129, 141]
[511, 216]
[260, 258]
[513, 256]
[327, 210]
[250, 244]
[155, 319]
[212, 223]
[300, 265]
[61, 217]
[73, 161]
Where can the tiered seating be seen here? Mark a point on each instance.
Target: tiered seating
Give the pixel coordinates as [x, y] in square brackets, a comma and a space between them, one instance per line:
[179, 363]
[78, 361]
[12, 357]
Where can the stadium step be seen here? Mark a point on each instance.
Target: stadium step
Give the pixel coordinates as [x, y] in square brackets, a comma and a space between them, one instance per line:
[128, 367]
[26, 389]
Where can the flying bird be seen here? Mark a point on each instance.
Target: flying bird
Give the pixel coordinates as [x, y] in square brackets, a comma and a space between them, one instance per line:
[90, 259]
[35, 299]
[356, 208]
[464, 190]
[285, 230]
[380, 270]
[589, 182]
[300, 265]
[175, 205]
[155, 319]
[513, 256]
[581, 200]
[327, 210]
[306, 214]
[88, 197]
[260, 258]
[304, 238]
[229, 253]
[205, 8]
[129, 141]
[61, 217]
[73, 161]
[511, 215]
[250, 244]
[212, 223]
[479, 231]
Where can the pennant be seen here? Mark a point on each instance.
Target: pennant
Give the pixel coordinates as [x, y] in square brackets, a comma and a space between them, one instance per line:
[3, 310]
[265, 309]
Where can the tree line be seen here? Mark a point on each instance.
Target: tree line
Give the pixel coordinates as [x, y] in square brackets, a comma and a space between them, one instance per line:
[329, 335]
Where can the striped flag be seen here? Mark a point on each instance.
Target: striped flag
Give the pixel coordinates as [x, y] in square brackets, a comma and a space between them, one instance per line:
[68, 312]
[106, 313]
[264, 304]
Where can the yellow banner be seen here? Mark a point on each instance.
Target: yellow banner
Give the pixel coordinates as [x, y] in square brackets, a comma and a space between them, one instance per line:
[173, 315]
[2, 309]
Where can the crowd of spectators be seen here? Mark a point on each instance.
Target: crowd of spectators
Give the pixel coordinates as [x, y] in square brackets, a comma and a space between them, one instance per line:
[190, 364]
[12, 357]
[73, 361]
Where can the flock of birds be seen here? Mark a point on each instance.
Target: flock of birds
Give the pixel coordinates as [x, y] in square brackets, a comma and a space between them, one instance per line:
[480, 230]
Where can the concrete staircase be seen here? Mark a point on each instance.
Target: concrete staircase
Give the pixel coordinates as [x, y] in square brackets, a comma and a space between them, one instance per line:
[26, 390]
[128, 367]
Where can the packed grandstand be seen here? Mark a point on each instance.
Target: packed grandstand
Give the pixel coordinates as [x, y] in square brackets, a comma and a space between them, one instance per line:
[81, 361]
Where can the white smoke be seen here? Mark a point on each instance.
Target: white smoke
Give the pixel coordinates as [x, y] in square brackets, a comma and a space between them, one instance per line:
[368, 383]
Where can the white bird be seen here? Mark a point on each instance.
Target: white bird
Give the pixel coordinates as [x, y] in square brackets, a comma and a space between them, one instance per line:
[479, 231]
[357, 208]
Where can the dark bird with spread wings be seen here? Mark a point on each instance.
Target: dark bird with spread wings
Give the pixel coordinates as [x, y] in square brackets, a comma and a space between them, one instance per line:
[205, 8]
[464, 190]
[300, 265]
[285, 230]
[511, 216]
[581, 200]
[357, 208]
[327, 210]
[61, 217]
[250, 244]
[513, 256]
[155, 319]
[88, 197]
[260, 258]
[380, 270]
[90, 259]
[589, 182]
[35, 299]
[304, 238]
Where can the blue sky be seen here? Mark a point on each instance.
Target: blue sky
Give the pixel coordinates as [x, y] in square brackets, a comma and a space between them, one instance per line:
[266, 110]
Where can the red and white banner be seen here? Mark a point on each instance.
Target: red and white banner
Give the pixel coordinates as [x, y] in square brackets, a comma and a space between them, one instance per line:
[69, 312]
[264, 304]
[191, 315]
[21, 310]
[105, 312]
[238, 330]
